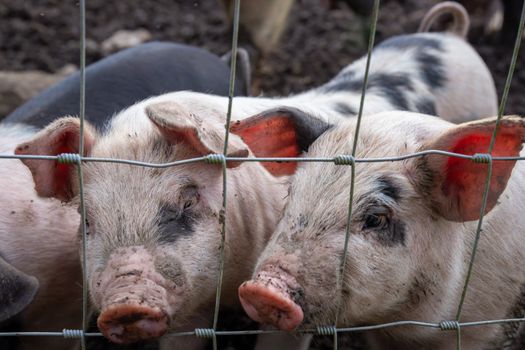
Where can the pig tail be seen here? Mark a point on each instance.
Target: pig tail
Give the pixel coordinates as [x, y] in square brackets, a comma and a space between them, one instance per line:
[460, 23]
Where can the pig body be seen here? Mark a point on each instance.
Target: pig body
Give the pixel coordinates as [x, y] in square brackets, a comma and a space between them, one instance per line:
[432, 73]
[155, 233]
[411, 236]
[39, 237]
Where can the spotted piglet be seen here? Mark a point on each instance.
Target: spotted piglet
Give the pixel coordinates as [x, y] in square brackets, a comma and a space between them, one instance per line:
[411, 234]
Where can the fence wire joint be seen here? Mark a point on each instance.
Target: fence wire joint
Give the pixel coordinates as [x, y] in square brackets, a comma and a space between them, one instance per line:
[215, 159]
[448, 325]
[344, 160]
[205, 333]
[326, 330]
[484, 158]
[72, 333]
[68, 158]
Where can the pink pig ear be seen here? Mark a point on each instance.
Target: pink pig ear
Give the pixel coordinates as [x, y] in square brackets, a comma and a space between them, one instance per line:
[281, 132]
[454, 185]
[53, 179]
[177, 125]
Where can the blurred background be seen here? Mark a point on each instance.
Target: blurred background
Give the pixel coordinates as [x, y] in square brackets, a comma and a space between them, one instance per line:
[293, 53]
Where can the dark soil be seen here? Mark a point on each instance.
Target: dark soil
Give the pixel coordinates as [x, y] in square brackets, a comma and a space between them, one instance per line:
[318, 42]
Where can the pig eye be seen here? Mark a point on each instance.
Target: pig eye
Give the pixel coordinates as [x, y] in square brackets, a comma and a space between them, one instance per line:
[189, 196]
[376, 221]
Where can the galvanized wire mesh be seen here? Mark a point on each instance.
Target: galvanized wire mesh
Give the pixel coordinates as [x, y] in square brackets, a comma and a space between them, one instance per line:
[349, 160]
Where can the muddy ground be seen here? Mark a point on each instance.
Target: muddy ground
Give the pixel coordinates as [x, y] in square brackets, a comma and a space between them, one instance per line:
[318, 42]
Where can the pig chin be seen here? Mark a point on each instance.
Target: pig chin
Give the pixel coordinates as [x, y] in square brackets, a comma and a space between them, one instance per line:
[134, 299]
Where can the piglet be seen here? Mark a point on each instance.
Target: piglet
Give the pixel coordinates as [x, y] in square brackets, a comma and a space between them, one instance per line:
[411, 233]
[39, 268]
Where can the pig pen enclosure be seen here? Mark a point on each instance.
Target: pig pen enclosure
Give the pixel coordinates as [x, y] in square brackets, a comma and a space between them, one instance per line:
[320, 38]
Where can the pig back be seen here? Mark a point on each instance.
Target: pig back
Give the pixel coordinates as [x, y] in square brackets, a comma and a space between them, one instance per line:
[127, 77]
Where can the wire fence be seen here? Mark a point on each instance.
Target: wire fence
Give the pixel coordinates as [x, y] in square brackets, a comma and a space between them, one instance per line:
[221, 159]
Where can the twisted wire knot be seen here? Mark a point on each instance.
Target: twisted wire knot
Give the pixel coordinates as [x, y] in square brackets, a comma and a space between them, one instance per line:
[482, 158]
[344, 160]
[326, 330]
[68, 158]
[205, 332]
[448, 325]
[72, 333]
[215, 158]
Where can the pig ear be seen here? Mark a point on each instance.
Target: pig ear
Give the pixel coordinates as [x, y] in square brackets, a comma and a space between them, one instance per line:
[177, 125]
[53, 179]
[455, 186]
[17, 290]
[281, 132]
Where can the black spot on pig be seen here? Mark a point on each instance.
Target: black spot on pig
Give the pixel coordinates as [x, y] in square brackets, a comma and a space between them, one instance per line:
[345, 109]
[432, 70]
[342, 83]
[174, 222]
[408, 41]
[386, 186]
[426, 106]
[392, 87]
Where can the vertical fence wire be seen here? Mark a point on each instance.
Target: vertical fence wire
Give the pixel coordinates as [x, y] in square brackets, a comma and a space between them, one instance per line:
[82, 113]
[489, 172]
[342, 267]
[222, 215]
[491, 146]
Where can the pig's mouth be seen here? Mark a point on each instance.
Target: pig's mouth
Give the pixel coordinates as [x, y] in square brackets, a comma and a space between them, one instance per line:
[271, 297]
[128, 323]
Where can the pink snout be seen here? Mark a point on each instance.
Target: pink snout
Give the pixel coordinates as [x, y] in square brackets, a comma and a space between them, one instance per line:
[128, 323]
[267, 300]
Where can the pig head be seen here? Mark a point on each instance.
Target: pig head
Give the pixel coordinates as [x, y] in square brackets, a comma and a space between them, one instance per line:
[154, 234]
[410, 234]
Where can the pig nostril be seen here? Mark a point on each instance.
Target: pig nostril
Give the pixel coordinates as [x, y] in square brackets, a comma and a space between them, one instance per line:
[125, 324]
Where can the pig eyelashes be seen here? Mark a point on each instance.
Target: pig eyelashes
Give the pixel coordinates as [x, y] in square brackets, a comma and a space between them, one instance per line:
[378, 221]
[189, 196]
[386, 227]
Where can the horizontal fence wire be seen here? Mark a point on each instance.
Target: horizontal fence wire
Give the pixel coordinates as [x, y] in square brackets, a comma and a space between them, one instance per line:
[218, 159]
[222, 159]
[443, 325]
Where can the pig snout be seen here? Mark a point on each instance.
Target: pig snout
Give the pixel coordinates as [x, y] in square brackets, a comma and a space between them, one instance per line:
[124, 324]
[270, 299]
[133, 297]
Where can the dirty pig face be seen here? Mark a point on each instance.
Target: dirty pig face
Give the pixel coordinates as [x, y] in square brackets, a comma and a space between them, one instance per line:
[398, 258]
[150, 232]
[154, 233]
